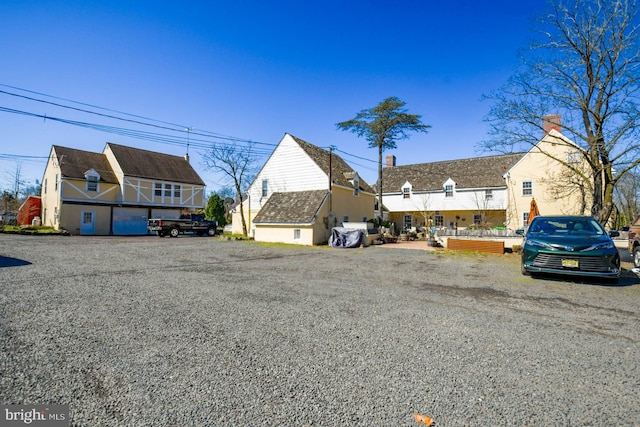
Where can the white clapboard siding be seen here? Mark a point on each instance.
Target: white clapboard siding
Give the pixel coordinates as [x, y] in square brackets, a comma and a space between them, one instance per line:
[288, 169]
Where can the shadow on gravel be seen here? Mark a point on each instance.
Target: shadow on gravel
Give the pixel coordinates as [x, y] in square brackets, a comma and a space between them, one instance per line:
[12, 262]
[627, 278]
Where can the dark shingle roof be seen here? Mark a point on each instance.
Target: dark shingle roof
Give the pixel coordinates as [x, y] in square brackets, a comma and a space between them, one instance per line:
[152, 165]
[75, 163]
[294, 207]
[466, 173]
[341, 171]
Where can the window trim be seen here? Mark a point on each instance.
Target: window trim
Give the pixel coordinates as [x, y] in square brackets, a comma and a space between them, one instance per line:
[448, 190]
[529, 188]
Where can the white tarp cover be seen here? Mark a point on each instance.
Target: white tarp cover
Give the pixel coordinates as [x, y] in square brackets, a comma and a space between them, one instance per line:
[345, 238]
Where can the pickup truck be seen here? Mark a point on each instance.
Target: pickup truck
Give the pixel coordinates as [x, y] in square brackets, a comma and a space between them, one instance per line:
[186, 223]
[634, 242]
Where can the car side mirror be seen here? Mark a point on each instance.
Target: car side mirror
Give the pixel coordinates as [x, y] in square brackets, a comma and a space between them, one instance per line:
[520, 232]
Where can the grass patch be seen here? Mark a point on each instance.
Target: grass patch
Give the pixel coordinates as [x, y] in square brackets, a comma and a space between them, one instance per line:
[32, 230]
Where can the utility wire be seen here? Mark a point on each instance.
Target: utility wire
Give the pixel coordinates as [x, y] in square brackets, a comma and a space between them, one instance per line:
[191, 139]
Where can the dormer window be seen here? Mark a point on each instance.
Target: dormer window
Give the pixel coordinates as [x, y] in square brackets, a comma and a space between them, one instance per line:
[449, 188]
[92, 178]
[356, 185]
[406, 190]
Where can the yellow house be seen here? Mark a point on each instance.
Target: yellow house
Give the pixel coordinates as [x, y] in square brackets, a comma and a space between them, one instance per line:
[301, 193]
[491, 191]
[543, 174]
[116, 191]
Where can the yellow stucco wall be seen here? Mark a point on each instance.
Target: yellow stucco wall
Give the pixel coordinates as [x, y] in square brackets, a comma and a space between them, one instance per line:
[71, 217]
[554, 192]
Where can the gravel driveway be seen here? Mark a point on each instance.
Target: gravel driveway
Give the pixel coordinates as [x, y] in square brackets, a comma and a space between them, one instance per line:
[142, 331]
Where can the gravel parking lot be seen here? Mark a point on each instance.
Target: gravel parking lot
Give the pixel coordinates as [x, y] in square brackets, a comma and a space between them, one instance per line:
[194, 331]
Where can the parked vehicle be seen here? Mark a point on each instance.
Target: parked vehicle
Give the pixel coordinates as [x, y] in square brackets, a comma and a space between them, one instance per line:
[570, 245]
[186, 223]
[634, 242]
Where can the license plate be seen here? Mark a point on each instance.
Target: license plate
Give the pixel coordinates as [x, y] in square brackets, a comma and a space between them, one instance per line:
[155, 228]
[571, 263]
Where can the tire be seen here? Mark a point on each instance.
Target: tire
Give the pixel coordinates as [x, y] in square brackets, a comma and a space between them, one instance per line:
[174, 231]
[211, 232]
[636, 256]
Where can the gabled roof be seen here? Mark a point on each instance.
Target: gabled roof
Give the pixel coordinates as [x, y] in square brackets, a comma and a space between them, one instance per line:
[476, 172]
[341, 171]
[75, 163]
[149, 164]
[294, 207]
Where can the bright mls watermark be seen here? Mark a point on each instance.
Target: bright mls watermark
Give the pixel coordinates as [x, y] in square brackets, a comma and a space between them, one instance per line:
[35, 415]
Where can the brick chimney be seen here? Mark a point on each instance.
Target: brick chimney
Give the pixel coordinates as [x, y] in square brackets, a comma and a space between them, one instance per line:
[391, 160]
[552, 121]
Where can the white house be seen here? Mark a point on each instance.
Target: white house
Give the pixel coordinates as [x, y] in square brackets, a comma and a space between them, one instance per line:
[301, 192]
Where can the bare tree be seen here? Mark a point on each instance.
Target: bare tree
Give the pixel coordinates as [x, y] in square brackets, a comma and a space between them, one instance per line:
[627, 197]
[584, 67]
[237, 163]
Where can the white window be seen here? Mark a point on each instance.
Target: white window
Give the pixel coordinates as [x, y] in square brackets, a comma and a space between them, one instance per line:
[296, 234]
[488, 194]
[158, 190]
[92, 183]
[356, 186]
[573, 157]
[265, 188]
[525, 218]
[406, 193]
[44, 187]
[55, 187]
[439, 220]
[167, 190]
[448, 190]
[477, 218]
[527, 188]
[177, 191]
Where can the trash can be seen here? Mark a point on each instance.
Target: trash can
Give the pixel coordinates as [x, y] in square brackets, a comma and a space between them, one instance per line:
[36, 221]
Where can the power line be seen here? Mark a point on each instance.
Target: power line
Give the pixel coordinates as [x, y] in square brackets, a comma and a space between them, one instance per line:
[190, 139]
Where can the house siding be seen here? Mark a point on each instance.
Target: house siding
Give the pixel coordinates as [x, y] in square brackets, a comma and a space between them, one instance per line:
[552, 193]
[288, 169]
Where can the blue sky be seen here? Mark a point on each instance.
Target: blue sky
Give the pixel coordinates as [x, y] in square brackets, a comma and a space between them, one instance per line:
[252, 70]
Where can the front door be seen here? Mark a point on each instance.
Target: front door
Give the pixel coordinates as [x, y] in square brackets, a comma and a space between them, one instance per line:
[87, 223]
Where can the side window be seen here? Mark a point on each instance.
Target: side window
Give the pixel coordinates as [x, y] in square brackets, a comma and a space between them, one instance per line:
[265, 188]
[158, 190]
[527, 188]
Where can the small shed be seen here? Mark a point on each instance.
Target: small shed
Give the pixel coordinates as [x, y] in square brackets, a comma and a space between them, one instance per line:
[29, 210]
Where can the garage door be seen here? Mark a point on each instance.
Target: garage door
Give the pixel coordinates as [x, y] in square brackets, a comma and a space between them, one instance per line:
[129, 221]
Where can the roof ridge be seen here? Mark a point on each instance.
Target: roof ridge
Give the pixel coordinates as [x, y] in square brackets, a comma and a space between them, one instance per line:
[460, 160]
